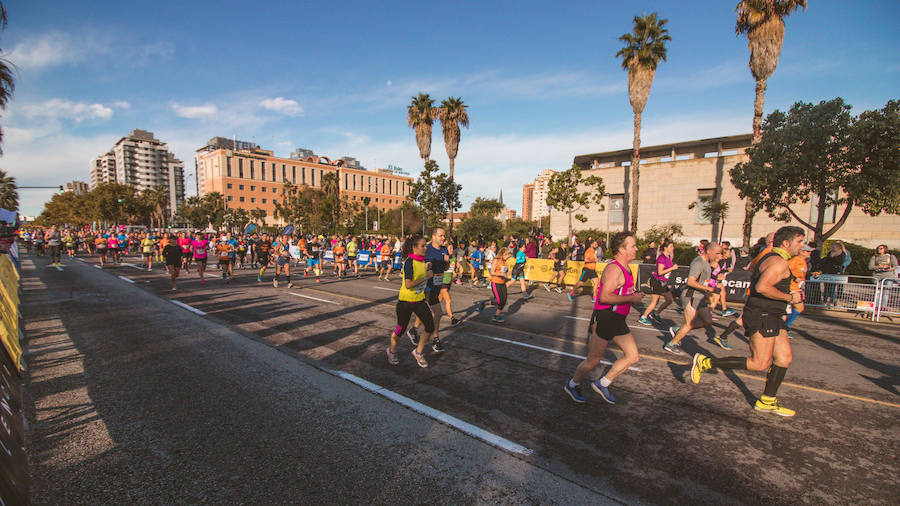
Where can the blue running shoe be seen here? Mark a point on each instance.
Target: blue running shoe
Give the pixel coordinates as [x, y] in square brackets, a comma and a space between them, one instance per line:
[571, 298]
[481, 306]
[498, 319]
[603, 391]
[575, 393]
[729, 312]
[722, 343]
[645, 321]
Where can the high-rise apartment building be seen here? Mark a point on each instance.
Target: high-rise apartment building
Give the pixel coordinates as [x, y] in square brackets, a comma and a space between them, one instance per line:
[534, 208]
[527, 201]
[255, 178]
[77, 187]
[144, 162]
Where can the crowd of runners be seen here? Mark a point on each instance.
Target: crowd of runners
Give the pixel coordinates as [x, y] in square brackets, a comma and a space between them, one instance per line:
[427, 267]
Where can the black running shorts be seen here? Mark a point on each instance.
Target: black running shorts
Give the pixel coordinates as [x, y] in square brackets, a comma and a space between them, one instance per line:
[608, 324]
[767, 323]
[657, 287]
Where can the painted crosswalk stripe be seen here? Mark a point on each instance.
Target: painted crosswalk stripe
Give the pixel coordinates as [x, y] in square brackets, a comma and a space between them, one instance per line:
[460, 425]
[314, 298]
[189, 308]
[548, 350]
[123, 278]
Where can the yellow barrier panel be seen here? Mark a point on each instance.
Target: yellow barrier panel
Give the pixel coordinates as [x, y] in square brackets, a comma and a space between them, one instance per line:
[9, 310]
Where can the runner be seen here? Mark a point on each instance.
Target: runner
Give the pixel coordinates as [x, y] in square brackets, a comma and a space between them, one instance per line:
[770, 348]
[695, 297]
[100, 243]
[614, 300]
[518, 271]
[352, 250]
[172, 254]
[340, 258]
[282, 252]
[112, 244]
[445, 288]
[184, 242]
[385, 262]
[588, 272]
[224, 250]
[200, 246]
[313, 260]
[477, 259]
[70, 240]
[241, 252]
[659, 287]
[798, 266]
[54, 243]
[411, 300]
[490, 253]
[437, 256]
[263, 257]
[499, 278]
[148, 246]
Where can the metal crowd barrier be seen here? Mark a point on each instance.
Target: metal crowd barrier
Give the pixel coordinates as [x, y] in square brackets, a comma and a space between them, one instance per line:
[860, 294]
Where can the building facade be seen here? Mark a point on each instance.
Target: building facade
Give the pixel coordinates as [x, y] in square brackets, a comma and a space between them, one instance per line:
[254, 178]
[673, 176]
[144, 162]
[527, 201]
[535, 194]
[214, 144]
[77, 187]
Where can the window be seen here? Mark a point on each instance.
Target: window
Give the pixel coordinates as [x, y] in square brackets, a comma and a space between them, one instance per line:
[240, 167]
[263, 188]
[230, 198]
[274, 190]
[830, 211]
[252, 188]
[390, 186]
[617, 208]
[252, 200]
[228, 163]
[312, 177]
[263, 201]
[705, 199]
[354, 181]
[354, 197]
[284, 174]
[274, 201]
[262, 170]
[370, 183]
[251, 169]
[376, 199]
[346, 179]
[273, 171]
[294, 175]
[240, 187]
[229, 186]
[241, 199]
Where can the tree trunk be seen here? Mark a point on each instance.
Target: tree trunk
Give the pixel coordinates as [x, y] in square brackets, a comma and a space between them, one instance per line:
[636, 171]
[758, 102]
[450, 214]
[569, 236]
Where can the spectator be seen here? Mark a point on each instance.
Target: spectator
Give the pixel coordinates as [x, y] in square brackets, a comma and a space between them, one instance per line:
[883, 264]
[742, 261]
[649, 255]
[833, 264]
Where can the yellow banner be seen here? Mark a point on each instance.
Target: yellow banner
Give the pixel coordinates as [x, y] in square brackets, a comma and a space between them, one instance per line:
[9, 309]
[540, 270]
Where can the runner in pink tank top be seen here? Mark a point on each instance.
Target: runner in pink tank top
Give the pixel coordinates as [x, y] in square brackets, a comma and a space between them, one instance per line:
[200, 246]
[615, 296]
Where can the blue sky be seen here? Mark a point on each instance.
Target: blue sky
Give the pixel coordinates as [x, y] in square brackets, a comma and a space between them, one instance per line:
[541, 80]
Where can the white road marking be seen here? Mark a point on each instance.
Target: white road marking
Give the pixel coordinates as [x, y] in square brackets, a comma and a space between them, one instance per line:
[59, 268]
[388, 289]
[123, 278]
[440, 416]
[548, 350]
[189, 308]
[98, 266]
[315, 298]
[79, 259]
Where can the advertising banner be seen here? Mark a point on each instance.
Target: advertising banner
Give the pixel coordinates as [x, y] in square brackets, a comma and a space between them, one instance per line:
[736, 283]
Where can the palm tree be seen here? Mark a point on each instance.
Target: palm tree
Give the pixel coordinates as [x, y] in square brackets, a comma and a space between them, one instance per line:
[452, 114]
[7, 83]
[420, 116]
[156, 200]
[763, 23]
[9, 194]
[644, 47]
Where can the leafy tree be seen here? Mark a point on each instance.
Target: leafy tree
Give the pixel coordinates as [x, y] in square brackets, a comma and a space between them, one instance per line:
[420, 117]
[644, 47]
[154, 206]
[517, 227]
[434, 193]
[192, 213]
[65, 208]
[568, 192]
[213, 206]
[712, 211]
[763, 23]
[236, 218]
[486, 227]
[9, 192]
[821, 152]
[112, 202]
[7, 86]
[485, 207]
[658, 233]
[258, 215]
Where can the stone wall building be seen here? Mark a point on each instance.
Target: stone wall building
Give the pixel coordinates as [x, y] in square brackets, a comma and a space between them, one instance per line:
[675, 175]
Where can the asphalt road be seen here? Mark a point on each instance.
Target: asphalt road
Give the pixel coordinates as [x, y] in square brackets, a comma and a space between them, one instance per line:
[136, 399]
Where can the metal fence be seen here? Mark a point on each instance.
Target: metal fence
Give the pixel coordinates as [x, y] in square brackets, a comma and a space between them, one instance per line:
[861, 294]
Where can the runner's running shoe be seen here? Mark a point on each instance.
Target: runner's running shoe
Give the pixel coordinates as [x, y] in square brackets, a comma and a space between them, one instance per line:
[413, 336]
[699, 366]
[437, 346]
[644, 321]
[603, 391]
[675, 349]
[392, 357]
[723, 343]
[420, 359]
[768, 404]
[575, 393]
[498, 319]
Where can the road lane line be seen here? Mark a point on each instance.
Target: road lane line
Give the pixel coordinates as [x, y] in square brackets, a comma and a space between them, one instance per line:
[315, 298]
[548, 350]
[123, 278]
[630, 326]
[388, 289]
[59, 268]
[440, 416]
[645, 355]
[185, 306]
[98, 266]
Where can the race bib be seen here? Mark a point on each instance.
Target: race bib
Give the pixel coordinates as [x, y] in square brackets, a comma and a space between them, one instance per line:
[437, 280]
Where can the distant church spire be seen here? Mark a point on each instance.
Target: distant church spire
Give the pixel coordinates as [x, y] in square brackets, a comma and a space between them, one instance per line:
[501, 196]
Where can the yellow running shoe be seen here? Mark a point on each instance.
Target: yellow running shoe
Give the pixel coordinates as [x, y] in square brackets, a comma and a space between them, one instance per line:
[766, 403]
[700, 366]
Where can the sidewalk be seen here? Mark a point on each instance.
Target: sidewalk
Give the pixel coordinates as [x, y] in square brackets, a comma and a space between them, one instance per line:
[131, 399]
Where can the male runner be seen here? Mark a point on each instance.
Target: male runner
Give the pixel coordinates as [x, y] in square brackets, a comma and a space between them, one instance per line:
[614, 300]
[352, 250]
[340, 258]
[224, 250]
[385, 261]
[282, 251]
[172, 254]
[100, 243]
[184, 242]
[770, 295]
[148, 244]
[588, 272]
[518, 271]
[437, 255]
[695, 297]
[263, 249]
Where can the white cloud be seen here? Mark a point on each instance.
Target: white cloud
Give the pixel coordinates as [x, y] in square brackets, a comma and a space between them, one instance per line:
[204, 111]
[282, 105]
[162, 49]
[121, 104]
[44, 51]
[66, 109]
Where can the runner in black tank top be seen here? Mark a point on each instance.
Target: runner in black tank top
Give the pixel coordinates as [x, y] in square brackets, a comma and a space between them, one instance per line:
[764, 324]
